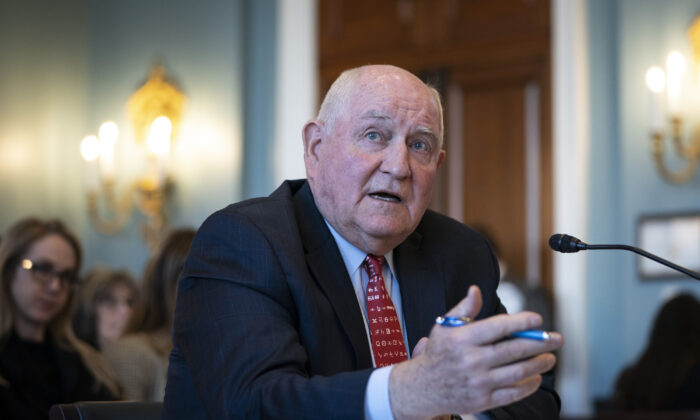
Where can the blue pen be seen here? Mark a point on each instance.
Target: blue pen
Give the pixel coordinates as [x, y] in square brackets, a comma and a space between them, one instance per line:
[538, 335]
[458, 321]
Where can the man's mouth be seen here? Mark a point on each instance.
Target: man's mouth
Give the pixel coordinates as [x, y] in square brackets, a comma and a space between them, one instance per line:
[384, 196]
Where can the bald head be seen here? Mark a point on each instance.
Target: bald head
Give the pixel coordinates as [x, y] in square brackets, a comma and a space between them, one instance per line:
[344, 88]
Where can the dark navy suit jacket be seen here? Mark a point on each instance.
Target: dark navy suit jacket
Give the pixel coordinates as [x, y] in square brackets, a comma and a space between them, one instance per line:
[267, 324]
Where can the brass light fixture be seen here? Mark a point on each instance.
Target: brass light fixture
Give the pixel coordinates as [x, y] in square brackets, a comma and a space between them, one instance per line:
[672, 82]
[155, 112]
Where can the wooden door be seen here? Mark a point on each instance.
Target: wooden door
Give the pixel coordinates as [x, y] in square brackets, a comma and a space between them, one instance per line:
[491, 61]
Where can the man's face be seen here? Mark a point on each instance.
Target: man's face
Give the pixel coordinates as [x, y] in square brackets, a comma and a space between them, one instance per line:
[372, 172]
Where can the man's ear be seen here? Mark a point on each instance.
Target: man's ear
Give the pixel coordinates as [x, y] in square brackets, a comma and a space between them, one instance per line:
[441, 158]
[313, 136]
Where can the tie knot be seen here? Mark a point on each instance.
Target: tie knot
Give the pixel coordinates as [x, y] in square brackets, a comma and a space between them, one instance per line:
[374, 262]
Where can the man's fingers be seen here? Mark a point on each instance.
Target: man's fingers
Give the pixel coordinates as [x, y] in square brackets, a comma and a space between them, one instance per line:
[502, 326]
[512, 374]
[510, 350]
[469, 306]
[510, 394]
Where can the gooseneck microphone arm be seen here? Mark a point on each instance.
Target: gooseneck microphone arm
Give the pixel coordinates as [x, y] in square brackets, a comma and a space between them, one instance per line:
[566, 243]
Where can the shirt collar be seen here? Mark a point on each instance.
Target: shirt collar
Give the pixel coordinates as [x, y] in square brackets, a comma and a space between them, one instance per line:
[352, 255]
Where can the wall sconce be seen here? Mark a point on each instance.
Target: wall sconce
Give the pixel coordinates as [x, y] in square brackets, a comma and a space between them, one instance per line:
[672, 82]
[154, 111]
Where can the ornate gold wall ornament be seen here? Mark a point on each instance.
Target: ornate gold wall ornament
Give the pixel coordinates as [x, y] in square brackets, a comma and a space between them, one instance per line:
[158, 96]
[155, 111]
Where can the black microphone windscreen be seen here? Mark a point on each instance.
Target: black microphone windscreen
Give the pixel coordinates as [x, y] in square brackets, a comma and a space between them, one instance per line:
[565, 243]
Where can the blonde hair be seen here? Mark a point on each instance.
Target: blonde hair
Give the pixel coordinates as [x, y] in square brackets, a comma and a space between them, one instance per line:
[15, 243]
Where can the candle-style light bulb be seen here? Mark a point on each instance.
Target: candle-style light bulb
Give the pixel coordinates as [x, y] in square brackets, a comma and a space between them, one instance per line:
[158, 141]
[90, 148]
[109, 132]
[675, 67]
[656, 79]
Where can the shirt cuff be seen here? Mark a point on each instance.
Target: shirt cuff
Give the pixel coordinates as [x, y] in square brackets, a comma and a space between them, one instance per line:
[377, 404]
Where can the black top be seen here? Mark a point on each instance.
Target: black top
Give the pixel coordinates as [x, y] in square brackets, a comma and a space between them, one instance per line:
[40, 375]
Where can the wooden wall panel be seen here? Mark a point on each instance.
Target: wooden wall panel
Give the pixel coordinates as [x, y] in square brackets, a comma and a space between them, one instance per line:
[494, 168]
[490, 50]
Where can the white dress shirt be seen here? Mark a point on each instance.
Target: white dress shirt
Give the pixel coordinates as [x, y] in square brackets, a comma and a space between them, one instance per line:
[377, 405]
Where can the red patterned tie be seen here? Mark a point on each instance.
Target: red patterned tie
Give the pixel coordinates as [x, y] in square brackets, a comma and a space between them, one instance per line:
[385, 331]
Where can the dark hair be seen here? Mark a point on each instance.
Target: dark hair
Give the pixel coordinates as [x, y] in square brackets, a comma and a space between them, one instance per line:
[154, 311]
[671, 355]
[97, 287]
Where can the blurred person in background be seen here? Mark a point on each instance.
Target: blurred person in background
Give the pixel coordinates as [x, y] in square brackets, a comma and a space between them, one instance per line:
[667, 375]
[42, 362]
[140, 357]
[105, 304]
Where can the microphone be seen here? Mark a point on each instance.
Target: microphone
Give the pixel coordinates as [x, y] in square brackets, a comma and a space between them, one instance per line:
[567, 243]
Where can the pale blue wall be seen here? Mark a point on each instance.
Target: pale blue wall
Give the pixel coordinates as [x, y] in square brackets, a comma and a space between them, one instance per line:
[261, 65]
[66, 69]
[605, 184]
[625, 39]
[43, 48]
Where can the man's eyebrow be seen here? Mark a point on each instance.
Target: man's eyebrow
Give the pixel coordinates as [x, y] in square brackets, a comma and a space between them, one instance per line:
[377, 115]
[374, 115]
[427, 131]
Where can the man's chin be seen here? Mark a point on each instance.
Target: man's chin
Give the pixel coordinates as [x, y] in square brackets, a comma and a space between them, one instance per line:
[390, 233]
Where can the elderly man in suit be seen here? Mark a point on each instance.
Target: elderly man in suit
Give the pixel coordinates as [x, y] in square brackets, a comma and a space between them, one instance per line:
[320, 300]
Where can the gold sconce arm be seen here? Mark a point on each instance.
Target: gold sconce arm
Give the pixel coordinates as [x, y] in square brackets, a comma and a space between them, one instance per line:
[148, 197]
[687, 151]
[151, 200]
[120, 211]
[690, 152]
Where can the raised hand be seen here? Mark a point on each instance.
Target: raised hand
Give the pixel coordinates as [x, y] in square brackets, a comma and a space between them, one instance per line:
[471, 368]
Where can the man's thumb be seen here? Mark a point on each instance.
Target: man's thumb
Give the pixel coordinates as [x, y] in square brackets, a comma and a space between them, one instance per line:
[469, 306]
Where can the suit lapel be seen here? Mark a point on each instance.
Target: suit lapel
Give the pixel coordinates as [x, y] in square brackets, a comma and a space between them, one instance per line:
[422, 288]
[326, 265]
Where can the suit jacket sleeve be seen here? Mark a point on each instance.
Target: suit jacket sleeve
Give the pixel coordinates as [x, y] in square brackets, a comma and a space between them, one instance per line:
[236, 335]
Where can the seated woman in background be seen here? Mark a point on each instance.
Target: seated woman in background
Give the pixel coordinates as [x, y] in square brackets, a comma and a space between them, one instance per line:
[104, 306]
[41, 361]
[140, 357]
[667, 375]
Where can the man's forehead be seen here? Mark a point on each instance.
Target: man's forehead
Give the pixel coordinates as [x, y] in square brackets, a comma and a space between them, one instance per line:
[376, 115]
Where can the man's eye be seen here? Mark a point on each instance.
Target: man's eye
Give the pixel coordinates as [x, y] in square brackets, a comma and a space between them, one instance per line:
[421, 146]
[373, 135]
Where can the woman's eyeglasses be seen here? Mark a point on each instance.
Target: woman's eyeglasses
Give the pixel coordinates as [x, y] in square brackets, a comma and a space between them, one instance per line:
[44, 272]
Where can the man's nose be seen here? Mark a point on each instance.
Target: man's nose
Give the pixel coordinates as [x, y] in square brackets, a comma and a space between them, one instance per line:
[396, 160]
